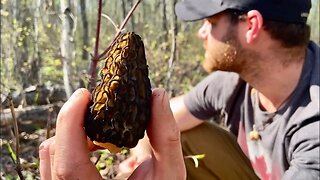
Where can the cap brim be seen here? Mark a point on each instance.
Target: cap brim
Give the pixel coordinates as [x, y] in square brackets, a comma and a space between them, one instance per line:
[192, 10]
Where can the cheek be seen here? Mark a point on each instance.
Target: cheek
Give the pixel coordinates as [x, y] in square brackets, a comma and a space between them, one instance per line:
[217, 33]
[220, 51]
[211, 43]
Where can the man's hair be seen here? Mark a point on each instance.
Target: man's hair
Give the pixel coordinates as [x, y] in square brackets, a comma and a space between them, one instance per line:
[288, 34]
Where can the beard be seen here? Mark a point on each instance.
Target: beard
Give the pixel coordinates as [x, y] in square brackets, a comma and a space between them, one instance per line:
[227, 54]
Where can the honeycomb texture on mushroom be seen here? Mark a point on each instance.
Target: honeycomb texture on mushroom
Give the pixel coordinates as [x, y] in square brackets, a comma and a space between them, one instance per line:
[119, 111]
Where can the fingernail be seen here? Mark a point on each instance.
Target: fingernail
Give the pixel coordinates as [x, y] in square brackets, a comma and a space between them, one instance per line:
[159, 92]
[44, 149]
[161, 95]
[44, 145]
[77, 93]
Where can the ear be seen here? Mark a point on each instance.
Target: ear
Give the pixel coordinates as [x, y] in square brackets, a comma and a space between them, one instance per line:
[254, 25]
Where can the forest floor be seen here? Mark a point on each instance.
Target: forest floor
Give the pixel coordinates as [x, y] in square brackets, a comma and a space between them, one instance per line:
[29, 157]
[106, 162]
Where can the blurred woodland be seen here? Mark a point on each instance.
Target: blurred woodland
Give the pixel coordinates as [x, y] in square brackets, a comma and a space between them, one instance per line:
[47, 48]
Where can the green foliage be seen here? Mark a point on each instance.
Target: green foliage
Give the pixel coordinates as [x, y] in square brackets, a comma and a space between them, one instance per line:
[12, 153]
[108, 162]
[52, 71]
[21, 37]
[9, 177]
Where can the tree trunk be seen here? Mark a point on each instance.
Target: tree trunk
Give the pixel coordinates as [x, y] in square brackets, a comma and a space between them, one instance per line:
[21, 51]
[66, 44]
[173, 47]
[31, 114]
[85, 30]
[164, 32]
[37, 60]
[17, 53]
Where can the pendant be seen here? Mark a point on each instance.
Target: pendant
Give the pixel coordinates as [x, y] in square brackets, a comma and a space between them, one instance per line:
[254, 134]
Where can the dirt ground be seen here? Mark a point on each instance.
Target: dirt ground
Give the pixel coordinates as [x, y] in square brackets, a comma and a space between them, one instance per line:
[106, 163]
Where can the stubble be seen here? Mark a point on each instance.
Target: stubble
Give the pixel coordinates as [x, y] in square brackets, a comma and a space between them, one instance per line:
[229, 55]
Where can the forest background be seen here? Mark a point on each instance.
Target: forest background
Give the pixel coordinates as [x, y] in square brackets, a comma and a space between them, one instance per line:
[51, 43]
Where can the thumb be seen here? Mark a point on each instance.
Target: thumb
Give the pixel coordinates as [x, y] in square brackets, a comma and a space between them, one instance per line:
[163, 130]
[164, 136]
[70, 134]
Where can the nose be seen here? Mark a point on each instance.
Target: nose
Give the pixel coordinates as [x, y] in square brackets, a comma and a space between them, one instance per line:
[203, 31]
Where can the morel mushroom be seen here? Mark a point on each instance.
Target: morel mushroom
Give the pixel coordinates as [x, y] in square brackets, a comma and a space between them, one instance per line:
[119, 111]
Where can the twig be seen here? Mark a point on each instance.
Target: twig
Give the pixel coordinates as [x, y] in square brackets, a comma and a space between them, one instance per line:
[12, 154]
[16, 132]
[112, 22]
[98, 159]
[120, 28]
[95, 56]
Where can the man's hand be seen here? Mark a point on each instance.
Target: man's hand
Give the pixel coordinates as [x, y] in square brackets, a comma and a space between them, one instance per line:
[66, 155]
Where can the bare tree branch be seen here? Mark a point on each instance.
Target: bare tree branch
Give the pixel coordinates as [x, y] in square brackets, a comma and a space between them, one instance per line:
[96, 57]
[16, 133]
[120, 29]
[112, 22]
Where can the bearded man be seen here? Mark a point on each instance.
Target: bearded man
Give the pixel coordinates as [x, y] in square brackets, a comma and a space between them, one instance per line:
[263, 89]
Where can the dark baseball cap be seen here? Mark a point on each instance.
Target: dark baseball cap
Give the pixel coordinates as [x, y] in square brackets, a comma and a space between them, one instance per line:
[293, 11]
